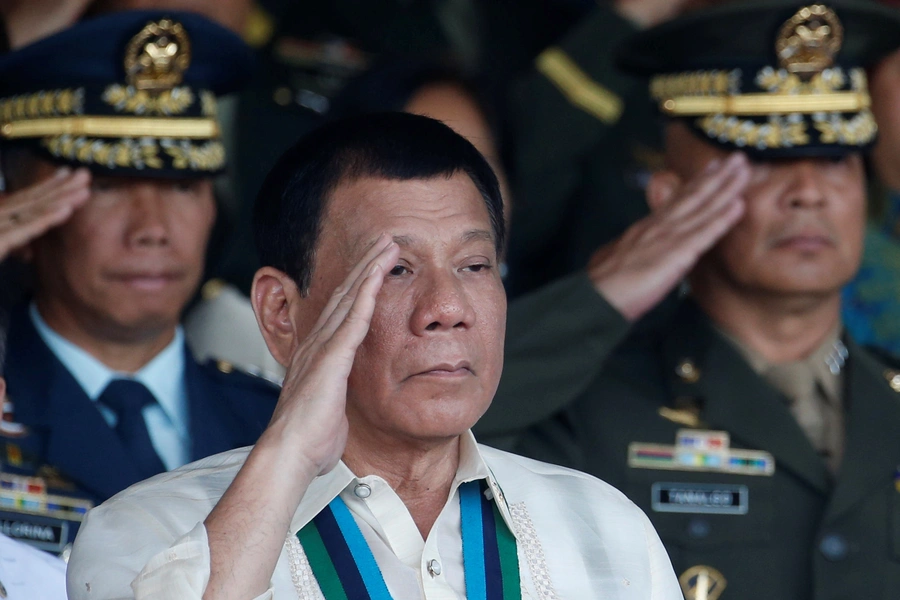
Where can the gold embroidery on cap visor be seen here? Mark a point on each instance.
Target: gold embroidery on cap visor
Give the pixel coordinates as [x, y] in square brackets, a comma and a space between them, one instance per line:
[140, 102]
[152, 123]
[138, 153]
[717, 92]
[806, 100]
[50, 103]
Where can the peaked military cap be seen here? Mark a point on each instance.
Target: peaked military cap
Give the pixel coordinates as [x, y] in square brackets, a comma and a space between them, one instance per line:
[775, 78]
[129, 93]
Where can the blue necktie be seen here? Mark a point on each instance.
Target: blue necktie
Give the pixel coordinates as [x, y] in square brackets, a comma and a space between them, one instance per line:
[127, 398]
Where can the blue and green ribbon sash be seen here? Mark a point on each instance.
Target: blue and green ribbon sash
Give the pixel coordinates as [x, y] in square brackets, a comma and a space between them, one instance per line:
[345, 568]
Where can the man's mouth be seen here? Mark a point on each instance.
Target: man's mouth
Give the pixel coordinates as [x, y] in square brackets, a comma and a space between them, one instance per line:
[805, 242]
[148, 281]
[447, 370]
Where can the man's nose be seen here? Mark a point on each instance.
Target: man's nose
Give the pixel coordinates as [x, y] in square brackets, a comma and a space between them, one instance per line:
[805, 190]
[148, 224]
[442, 305]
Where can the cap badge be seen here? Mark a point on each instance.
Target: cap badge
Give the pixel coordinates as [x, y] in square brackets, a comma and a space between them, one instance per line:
[809, 41]
[157, 57]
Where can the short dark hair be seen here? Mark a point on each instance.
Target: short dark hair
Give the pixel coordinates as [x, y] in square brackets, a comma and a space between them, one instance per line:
[290, 205]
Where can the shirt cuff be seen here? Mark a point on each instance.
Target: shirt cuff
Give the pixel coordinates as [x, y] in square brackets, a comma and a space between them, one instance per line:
[180, 571]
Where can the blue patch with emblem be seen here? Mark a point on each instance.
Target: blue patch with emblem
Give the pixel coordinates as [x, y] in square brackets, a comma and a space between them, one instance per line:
[700, 498]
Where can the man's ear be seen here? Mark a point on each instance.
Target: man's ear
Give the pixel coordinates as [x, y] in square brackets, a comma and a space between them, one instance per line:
[662, 189]
[274, 296]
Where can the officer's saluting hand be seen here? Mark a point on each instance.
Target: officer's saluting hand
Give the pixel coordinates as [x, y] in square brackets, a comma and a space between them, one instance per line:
[31, 211]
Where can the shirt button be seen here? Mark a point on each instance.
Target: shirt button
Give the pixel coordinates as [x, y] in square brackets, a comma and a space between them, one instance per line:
[834, 547]
[434, 568]
[362, 491]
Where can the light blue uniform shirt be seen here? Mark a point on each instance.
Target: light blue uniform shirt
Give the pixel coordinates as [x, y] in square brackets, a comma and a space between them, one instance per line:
[167, 420]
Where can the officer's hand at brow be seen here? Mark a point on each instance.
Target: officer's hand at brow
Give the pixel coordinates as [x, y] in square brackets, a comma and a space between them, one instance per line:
[28, 213]
[648, 13]
[28, 21]
[314, 396]
[635, 272]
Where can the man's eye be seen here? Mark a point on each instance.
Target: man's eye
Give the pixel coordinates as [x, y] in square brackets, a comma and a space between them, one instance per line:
[399, 270]
[477, 267]
[185, 186]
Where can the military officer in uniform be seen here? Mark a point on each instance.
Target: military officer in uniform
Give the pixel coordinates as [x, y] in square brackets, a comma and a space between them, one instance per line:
[758, 437]
[103, 390]
[585, 143]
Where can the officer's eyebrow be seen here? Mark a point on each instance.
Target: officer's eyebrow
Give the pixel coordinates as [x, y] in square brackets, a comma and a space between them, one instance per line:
[472, 235]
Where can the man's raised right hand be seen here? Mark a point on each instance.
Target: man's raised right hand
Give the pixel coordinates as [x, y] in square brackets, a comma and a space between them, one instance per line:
[29, 212]
[635, 272]
[312, 407]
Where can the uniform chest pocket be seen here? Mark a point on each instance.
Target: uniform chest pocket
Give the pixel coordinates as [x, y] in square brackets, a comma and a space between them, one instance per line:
[703, 509]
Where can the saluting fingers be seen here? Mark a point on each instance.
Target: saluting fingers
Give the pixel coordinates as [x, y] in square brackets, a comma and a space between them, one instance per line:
[353, 328]
[708, 185]
[384, 260]
[353, 279]
[46, 192]
[729, 193]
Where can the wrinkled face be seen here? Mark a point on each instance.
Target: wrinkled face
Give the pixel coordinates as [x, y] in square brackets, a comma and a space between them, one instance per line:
[431, 361]
[126, 263]
[802, 231]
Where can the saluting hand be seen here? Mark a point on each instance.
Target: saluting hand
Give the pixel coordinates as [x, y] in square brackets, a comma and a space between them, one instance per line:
[635, 272]
[314, 397]
[648, 13]
[28, 213]
[305, 438]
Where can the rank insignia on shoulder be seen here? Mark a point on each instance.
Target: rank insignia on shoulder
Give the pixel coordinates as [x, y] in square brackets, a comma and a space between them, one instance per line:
[227, 368]
[700, 451]
[702, 583]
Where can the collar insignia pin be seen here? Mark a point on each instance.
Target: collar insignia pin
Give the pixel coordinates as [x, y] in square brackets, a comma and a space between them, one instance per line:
[688, 371]
[893, 379]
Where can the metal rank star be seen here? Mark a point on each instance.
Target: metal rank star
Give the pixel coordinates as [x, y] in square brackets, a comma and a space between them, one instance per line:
[157, 57]
[809, 41]
[702, 583]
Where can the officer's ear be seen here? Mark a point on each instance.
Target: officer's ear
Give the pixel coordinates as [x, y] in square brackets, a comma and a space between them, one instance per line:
[275, 299]
[661, 190]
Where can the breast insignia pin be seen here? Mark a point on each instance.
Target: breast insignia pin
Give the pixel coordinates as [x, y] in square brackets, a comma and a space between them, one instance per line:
[702, 583]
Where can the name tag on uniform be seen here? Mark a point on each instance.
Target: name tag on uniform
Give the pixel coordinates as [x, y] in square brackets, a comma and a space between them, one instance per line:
[720, 499]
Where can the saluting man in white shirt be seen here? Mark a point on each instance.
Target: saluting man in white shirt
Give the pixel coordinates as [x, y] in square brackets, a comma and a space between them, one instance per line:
[382, 297]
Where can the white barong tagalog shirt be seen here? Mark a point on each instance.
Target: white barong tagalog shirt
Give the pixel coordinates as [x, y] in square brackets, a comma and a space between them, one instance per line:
[577, 537]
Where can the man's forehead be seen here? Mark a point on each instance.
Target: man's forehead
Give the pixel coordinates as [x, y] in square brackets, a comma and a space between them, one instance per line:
[413, 210]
